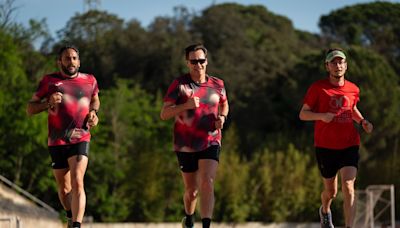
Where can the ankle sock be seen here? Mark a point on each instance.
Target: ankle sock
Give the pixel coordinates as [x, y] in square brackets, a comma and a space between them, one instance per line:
[206, 222]
[69, 214]
[189, 220]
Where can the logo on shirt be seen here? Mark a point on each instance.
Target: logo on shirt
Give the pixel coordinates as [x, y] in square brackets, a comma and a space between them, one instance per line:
[341, 106]
[339, 102]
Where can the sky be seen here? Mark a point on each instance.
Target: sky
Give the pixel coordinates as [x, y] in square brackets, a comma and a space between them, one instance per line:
[304, 14]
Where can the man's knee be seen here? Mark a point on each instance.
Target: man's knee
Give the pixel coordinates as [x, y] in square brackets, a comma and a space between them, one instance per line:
[207, 185]
[191, 194]
[348, 187]
[77, 183]
[331, 193]
[64, 191]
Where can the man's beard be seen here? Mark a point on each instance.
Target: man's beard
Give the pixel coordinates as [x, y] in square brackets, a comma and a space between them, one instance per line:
[68, 72]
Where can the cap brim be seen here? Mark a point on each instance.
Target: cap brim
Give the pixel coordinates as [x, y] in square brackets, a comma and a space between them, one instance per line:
[335, 54]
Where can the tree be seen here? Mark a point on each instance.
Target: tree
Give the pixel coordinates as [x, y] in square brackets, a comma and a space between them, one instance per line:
[22, 139]
[233, 203]
[374, 25]
[95, 33]
[7, 9]
[247, 50]
[284, 184]
[126, 147]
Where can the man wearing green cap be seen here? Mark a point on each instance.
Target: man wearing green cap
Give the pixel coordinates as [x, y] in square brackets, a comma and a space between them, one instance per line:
[332, 103]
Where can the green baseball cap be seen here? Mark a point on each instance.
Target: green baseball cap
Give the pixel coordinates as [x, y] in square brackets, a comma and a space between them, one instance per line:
[334, 54]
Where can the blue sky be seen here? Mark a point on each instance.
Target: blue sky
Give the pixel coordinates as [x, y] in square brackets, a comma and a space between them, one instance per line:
[304, 14]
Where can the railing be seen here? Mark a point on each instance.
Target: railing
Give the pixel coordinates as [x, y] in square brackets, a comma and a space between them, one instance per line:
[10, 221]
[28, 195]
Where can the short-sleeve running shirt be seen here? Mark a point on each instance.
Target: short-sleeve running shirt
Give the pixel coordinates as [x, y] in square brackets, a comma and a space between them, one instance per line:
[66, 122]
[324, 97]
[194, 129]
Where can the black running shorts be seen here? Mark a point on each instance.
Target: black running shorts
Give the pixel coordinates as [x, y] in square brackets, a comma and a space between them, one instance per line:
[331, 161]
[189, 161]
[60, 154]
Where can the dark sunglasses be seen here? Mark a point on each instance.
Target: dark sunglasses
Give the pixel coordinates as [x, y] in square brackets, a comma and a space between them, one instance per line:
[196, 61]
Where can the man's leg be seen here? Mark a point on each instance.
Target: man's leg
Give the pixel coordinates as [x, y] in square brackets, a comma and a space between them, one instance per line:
[63, 180]
[348, 177]
[329, 193]
[207, 172]
[78, 165]
[190, 195]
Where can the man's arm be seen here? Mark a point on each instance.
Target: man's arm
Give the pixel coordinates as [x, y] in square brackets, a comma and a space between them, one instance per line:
[36, 105]
[94, 106]
[307, 114]
[358, 117]
[223, 115]
[224, 109]
[170, 109]
[95, 103]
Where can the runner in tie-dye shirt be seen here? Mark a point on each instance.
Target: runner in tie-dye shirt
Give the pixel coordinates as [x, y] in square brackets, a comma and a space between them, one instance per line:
[72, 101]
[199, 104]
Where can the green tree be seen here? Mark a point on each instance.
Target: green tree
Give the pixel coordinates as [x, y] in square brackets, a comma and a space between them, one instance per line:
[233, 203]
[285, 185]
[22, 139]
[129, 142]
[374, 25]
[247, 50]
[95, 33]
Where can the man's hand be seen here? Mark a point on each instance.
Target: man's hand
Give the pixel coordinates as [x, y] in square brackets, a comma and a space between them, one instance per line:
[328, 117]
[93, 120]
[54, 99]
[367, 126]
[192, 103]
[219, 123]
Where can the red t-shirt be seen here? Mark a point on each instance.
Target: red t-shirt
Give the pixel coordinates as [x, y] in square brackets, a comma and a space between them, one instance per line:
[66, 121]
[194, 129]
[323, 97]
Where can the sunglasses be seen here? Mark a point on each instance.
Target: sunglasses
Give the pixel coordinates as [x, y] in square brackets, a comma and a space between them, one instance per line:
[196, 61]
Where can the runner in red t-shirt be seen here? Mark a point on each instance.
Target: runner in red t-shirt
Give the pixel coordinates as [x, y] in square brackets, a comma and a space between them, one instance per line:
[72, 101]
[332, 104]
[200, 107]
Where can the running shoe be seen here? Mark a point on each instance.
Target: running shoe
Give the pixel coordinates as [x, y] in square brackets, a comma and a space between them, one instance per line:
[69, 222]
[326, 219]
[184, 223]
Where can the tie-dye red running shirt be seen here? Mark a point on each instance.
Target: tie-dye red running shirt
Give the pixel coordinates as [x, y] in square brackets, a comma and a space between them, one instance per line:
[194, 129]
[67, 120]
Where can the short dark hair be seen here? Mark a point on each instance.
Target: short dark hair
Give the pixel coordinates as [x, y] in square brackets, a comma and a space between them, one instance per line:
[195, 47]
[65, 47]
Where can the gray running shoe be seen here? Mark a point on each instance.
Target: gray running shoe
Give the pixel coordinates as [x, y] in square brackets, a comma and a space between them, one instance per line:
[184, 223]
[326, 219]
[69, 222]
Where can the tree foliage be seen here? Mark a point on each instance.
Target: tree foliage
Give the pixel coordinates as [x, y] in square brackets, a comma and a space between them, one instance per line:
[375, 25]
